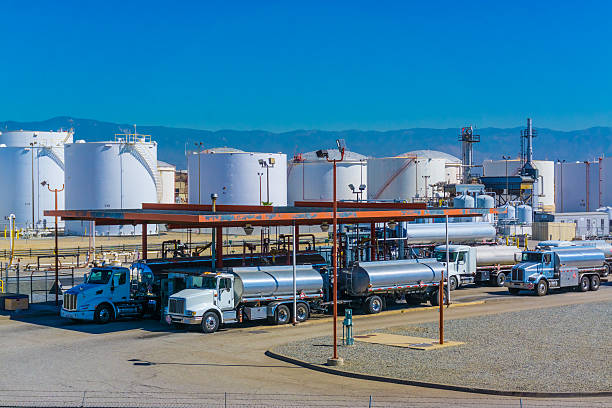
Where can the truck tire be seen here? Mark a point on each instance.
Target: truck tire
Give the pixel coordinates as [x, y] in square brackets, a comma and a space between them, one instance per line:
[452, 282]
[210, 322]
[595, 282]
[373, 305]
[434, 299]
[541, 288]
[302, 313]
[584, 283]
[500, 280]
[282, 315]
[103, 314]
[514, 291]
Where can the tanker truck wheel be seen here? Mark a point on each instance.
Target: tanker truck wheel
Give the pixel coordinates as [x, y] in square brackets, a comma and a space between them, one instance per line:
[282, 315]
[501, 279]
[542, 288]
[585, 284]
[301, 312]
[373, 305]
[210, 322]
[452, 282]
[595, 282]
[434, 298]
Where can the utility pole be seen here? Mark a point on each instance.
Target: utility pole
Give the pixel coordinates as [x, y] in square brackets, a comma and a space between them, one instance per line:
[213, 248]
[55, 191]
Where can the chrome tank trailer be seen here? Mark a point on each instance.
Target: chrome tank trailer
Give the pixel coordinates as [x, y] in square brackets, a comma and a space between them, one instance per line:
[497, 255]
[579, 257]
[457, 232]
[364, 276]
[252, 283]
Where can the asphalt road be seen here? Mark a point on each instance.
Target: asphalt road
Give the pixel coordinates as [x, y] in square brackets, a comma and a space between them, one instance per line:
[50, 361]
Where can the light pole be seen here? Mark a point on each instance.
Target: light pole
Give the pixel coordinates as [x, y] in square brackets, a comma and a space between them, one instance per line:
[55, 190]
[335, 360]
[267, 164]
[561, 193]
[32, 144]
[213, 251]
[259, 174]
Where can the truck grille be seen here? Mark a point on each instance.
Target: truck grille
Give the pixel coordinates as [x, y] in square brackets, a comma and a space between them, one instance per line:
[176, 306]
[70, 301]
[518, 274]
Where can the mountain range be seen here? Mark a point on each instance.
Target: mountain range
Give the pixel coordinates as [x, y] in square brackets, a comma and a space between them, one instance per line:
[585, 144]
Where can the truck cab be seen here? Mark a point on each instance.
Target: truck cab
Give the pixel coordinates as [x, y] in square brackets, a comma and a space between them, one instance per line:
[534, 272]
[461, 266]
[105, 294]
[208, 301]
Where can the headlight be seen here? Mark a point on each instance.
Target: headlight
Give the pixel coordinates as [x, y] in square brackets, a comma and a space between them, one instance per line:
[190, 313]
[532, 278]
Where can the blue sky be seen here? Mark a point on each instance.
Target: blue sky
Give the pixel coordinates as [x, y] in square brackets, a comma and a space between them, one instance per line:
[325, 65]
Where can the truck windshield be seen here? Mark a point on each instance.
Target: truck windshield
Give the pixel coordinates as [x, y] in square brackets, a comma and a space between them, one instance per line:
[532, 257]
[99, 276]
[204, 282]
[441, 256]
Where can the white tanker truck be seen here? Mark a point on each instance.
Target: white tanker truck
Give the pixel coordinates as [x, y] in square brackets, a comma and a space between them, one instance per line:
[266, 292]
[489, 264]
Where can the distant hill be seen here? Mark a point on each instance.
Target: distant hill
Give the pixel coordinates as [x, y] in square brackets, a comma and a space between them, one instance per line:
[549, 144]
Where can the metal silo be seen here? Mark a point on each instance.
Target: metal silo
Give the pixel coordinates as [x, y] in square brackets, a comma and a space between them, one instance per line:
[30, 161]
[524, 214]
[237, 177]
[463, 201]
[119, 174]
[310, 177]
[405, 177]
[507, 212]
[485, 201]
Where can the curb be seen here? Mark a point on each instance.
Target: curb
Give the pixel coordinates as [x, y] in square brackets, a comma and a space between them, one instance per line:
[486, 391]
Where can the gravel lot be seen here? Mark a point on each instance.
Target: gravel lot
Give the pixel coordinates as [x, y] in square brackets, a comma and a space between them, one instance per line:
[561, 349]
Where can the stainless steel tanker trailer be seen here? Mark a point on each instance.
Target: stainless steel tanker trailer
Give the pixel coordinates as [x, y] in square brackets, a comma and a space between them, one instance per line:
[266, 292]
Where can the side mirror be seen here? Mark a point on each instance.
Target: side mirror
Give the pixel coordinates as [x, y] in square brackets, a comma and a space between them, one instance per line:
[84, 277]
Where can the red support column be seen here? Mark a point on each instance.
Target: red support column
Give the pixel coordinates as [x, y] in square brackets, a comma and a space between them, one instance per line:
[372, 241]
[219, 249]
[144, 241]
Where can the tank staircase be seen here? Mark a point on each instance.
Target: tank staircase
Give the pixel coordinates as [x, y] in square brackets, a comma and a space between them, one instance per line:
[394, 176]
[140, 151]
[57, 157]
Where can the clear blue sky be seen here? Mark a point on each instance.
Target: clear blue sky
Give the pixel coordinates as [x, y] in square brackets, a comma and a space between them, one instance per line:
[325, 65]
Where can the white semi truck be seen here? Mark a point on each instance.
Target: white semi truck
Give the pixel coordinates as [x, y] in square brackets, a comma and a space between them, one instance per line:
[266, 292]
[489, 264]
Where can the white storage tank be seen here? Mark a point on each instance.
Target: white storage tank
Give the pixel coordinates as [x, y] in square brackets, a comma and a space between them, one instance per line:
[166, 173]
[507, 212]
[405, 177]
[577, 186]
[524, 214]
[452, 166]
[485, 201]
[310, 177]
[544, 186]
[31, 160]
[463, 201]
[121, 174]
[237, 177]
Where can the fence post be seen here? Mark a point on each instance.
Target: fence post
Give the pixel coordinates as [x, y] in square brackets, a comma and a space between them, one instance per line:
[18, 291]
[46, 291]
[31, 291]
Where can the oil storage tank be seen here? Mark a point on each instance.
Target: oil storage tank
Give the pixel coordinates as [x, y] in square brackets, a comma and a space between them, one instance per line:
[237, 177]
[310, 177]
[406, 177]
[457, 232]
[119, 174]
[30, 163]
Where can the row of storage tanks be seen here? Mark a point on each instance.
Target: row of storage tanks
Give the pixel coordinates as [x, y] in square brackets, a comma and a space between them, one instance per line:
[117, 174]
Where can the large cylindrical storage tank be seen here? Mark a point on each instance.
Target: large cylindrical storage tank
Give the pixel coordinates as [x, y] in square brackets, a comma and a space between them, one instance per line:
[405, 177]
[485, 201]
[166, 173]
[111, 175]
[577, 186]
[310, 178]
[237, 177]
[463, 201]
[31, 162]
[453, 172]
[524, 214]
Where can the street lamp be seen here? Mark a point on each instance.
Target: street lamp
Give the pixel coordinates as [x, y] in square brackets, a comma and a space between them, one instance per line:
[55, 190]
[335, 360]
[213, 251]
[259, 174]
[267, 164]
[359, 192]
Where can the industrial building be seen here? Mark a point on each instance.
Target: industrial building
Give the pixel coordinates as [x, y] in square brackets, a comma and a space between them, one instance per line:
[237, 177]
[588, 224]
[310, 176]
